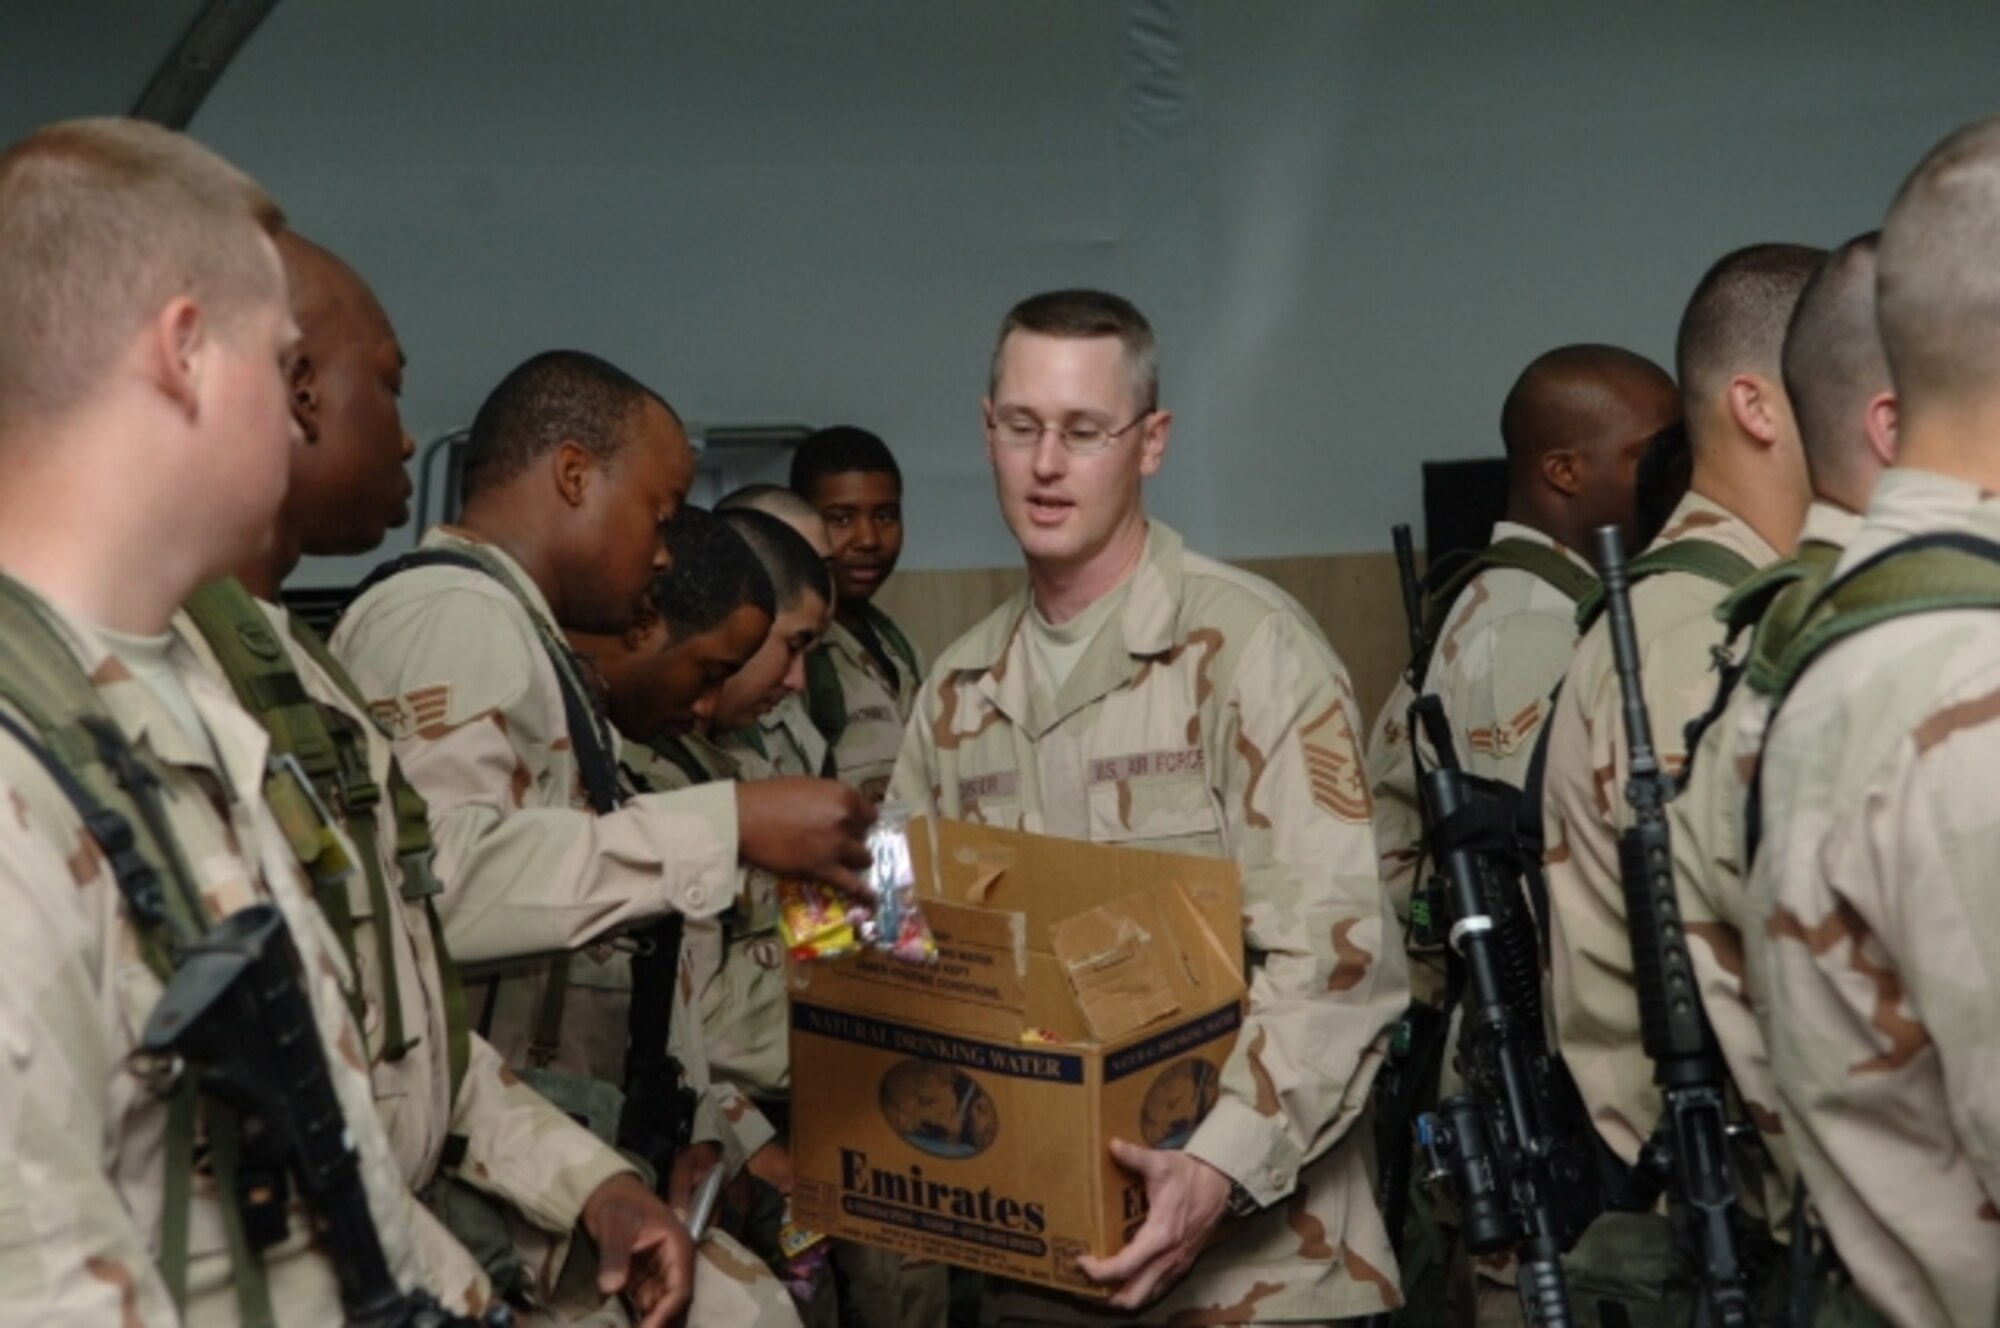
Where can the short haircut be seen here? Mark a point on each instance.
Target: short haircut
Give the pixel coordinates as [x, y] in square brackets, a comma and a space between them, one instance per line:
[1834, 362]
[789, 560]
[1083, 314]
[1938, 280]
[770, 499]
[1558, 401]
[555, 397]
[102, 224]
[1735, 320]
[840, 450]
[714, 574]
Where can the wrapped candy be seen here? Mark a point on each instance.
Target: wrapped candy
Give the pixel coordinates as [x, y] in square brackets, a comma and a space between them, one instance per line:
[821, 923]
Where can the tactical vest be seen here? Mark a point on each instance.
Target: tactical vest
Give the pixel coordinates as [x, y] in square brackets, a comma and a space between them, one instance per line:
[334, 761]
[1696, 557]
[54, 711]
[1452, 578]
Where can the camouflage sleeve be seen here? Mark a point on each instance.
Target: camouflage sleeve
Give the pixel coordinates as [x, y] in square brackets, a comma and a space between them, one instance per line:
[1886, 965]
[723, 1116]
[71, 1250]
[1329, 977]
[1497, 712]
[454, 677]
[1399, 831]
[522, 1150]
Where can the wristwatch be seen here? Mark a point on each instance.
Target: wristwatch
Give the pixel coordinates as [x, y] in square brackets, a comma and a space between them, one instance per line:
[1241, 1203]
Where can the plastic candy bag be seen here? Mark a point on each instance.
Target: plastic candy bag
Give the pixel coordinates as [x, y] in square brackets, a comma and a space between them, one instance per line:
[819, 922]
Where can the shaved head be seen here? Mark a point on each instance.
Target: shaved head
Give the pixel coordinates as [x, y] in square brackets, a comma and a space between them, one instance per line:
[1575, 424]
[1938, 283]
[788, 507]
[1580, 396]
[323, 286]
[1834, 366]
[1735, 321]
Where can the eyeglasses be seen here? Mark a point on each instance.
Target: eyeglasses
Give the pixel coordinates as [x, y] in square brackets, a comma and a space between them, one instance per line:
[1080, 437]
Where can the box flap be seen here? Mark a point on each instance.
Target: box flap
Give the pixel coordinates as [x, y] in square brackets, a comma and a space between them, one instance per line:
[1115, 959]
[1051, 879]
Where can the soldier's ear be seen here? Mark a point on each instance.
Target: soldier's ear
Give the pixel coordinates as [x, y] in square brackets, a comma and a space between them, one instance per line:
[1153, 442]
[1756, 404]
[302, 385]
[573, 468]
[1562, 469]
[1879, 422]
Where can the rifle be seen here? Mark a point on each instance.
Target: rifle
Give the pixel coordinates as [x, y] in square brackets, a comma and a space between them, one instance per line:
[1413, 598]
[1688, 1150]
[1520, 1179]
[657, 1119]
[235, 1014]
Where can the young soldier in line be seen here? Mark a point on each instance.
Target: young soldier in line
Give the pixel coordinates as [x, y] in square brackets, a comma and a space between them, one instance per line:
[547, 856]
[1871, 942]
[1838, 381]
[1138, 693]
[144, 337]
[1574, 425]
[791, 742]
[461, 1125]
[1743, 512]
[862, 682]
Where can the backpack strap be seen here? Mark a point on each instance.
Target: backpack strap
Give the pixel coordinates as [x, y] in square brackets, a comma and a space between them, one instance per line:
[54, 711]
[1935, 573]
[826, 700]
[897, 643]
[1692, 557]
[1522, 555]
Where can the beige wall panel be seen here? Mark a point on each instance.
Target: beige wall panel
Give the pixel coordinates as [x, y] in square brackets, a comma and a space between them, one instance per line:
[1353, 597]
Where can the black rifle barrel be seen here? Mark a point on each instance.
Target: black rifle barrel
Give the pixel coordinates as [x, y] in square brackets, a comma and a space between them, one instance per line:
[1689, 1147]
[1413, 599]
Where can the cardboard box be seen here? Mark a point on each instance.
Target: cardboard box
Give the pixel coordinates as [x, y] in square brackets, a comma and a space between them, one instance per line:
[962, 1111]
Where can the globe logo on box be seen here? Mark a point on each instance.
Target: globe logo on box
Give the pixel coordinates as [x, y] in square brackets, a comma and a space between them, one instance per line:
[1179, 1097]
[938, 1109]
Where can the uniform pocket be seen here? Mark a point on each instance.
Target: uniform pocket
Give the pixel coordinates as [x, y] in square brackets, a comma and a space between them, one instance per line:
[1173, 813]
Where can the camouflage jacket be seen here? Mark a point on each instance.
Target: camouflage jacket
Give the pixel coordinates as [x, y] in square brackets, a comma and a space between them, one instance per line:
[1707, 822]
[1504, 647]
[518, 1147]
[454, 668]
[1875, 939]
[876, 708]
[783, 742]
[1209, 716]
[1595, 1006]
[83, 1187]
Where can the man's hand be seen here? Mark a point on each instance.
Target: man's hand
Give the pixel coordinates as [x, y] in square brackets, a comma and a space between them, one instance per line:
[1185, 1198]
[804, 827]
[643, 1250]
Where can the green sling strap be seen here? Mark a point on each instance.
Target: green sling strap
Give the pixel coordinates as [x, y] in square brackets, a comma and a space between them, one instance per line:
[1926, 574]
[1520, 555]
[335, 759]
[63, 723]
[1695, 557]
[826, 700]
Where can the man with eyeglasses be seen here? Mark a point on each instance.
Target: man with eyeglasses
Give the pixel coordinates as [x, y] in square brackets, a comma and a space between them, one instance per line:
[1138, 693]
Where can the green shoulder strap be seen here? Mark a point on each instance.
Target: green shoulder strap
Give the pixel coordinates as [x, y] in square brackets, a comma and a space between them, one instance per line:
[1785, 601]
[892, 636]
[1927, 574]
[826, 702]
[1521, 555]
[1694, 557]
[414, 854]
[63, 724]
[673, 751]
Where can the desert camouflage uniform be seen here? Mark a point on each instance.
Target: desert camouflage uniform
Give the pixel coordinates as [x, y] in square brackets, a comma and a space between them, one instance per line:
[1504, 647]
[1707, 822]
[1876, 934]
[1595, 1007]
[782, 742]
[735, 962]
[82, 1179]
[877, 708]
[1209, 716]
[453, 667]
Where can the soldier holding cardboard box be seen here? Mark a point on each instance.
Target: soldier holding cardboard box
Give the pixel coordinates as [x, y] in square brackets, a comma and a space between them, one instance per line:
[1137, 693]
